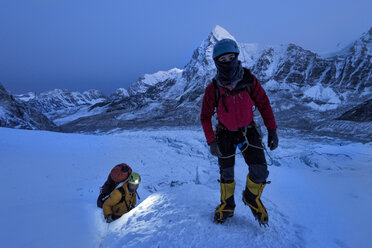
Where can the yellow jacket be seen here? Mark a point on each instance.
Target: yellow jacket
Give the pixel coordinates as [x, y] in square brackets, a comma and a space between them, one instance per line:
[117, 204]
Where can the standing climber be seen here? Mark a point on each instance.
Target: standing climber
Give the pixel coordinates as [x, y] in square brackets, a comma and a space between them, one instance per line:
[232, 93]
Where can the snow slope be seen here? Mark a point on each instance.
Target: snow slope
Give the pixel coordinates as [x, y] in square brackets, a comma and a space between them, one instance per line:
[320, 195]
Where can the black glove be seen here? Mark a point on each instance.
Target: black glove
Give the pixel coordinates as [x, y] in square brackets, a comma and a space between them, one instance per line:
[109, 219]
[215, 151]
[272, 139]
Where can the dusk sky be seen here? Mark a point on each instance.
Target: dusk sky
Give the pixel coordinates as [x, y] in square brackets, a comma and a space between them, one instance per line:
[105, 45]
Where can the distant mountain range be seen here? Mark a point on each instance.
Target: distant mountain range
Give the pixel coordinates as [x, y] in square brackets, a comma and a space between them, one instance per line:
[61, 105]
[17, 114]
[329, 95]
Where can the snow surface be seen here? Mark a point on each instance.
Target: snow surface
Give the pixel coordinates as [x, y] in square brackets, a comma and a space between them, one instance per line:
[325, 95]
[78, 113]
[320, 195]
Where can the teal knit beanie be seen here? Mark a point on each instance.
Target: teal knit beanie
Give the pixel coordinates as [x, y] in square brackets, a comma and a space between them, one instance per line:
[225, 46]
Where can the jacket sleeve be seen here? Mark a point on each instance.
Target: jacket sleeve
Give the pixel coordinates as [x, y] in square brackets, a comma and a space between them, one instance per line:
[114, 199]
[207, 112]
[263, 104]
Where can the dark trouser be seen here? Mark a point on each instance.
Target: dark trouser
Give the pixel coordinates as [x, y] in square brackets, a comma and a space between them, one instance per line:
[254, 157]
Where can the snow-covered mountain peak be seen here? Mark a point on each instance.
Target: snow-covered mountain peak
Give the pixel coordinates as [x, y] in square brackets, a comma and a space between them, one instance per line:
[217, 34]
[220, 33]
[148, 80]
[27, 96]
[202, 56]
[367, 40]
[67, 98]
[119, 94]
[60, 100]
[204, 51]
[54, 92]
[342, 48]
[122, 92]
[296, 79]
[93, 94]
[362, 44]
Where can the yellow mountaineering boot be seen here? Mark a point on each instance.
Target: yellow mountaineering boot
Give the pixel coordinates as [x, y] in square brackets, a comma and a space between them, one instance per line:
[226, 208]
[251, 197]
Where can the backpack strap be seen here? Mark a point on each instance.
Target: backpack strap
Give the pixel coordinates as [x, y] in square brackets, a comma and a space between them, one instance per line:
[123, 197]
[217, 96]
[216, 93]
[122, 194]
[248, 79]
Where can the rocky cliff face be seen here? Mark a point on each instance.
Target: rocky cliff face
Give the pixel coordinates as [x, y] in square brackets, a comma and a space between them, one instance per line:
[16, 114]
[360, 113]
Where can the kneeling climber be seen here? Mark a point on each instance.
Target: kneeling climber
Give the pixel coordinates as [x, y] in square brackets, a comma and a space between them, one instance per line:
[117, 175]
[122, 199]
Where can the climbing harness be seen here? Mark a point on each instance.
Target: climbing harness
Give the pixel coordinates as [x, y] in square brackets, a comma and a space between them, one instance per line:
[249, 145]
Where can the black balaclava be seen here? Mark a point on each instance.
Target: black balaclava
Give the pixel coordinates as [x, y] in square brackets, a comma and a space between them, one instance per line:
[229, 73]
[132, 190]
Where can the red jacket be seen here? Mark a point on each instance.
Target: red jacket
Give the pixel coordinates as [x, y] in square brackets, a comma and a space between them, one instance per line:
[239, 105]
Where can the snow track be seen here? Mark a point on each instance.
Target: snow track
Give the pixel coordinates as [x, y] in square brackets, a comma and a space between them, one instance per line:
[50, 182]
[182, 217]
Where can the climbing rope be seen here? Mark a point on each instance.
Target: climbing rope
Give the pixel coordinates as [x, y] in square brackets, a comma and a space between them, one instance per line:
[249, 145]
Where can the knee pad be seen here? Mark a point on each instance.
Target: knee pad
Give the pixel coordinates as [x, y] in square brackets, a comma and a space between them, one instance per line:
[258, 173]
[227, 174]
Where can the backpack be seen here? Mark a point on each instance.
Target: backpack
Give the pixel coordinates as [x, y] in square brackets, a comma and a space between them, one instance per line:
[247, 78]
[120, 173]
